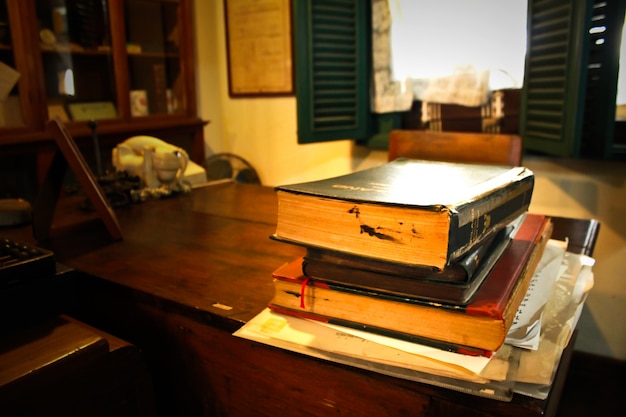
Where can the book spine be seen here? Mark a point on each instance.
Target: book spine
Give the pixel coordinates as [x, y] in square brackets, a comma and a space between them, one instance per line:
[473, 222]
[526, 247]
[159, 79]
[472, 261]
[395, 297]
[522, 285]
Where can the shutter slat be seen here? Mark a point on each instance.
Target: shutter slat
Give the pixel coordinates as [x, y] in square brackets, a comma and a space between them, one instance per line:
[333, 99]
[551, 100]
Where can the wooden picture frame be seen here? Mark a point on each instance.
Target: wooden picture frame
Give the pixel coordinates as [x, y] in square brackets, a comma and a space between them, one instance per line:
[68, 154]
[259, 47]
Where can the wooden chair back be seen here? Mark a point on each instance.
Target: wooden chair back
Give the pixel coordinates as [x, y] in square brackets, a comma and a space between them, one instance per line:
[488, 148]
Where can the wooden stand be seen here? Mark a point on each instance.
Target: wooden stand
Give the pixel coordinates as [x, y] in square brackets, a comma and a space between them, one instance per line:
[45, 205]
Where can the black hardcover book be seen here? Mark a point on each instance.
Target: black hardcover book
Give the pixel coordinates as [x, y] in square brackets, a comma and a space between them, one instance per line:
[420, 213]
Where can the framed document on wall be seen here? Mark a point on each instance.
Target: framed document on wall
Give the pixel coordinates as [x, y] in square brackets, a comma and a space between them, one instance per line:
[259, 47]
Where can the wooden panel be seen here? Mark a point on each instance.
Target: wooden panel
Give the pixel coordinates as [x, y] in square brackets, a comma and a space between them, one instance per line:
[200, 371]
[63, 367]
[456, 146]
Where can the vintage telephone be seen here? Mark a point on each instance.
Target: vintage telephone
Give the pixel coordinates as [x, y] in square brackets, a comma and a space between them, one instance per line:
[158, 164]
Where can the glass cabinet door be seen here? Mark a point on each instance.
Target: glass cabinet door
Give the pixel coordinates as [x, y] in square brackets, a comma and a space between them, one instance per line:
[152, 34]
[10, 107]
[77, 59]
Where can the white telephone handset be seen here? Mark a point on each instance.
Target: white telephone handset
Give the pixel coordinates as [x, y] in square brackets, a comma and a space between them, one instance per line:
[155, 161]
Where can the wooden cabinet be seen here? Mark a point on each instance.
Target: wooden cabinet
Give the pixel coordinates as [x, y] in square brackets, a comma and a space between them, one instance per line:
[127, 64]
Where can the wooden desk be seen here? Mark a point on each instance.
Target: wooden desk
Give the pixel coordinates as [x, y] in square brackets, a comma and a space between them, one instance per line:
[192, 269]
[62, 367]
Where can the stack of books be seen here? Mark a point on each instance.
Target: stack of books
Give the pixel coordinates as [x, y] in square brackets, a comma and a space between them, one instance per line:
[432, 252]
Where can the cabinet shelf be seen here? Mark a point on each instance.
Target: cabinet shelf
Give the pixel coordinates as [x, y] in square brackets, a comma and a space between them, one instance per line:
[81, 51]
[63, 49]
[167, 55]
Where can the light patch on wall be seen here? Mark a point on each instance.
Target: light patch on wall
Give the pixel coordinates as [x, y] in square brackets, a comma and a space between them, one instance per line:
[429, 41]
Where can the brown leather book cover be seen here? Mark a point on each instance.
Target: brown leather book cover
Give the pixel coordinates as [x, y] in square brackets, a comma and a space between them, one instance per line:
[493, 299]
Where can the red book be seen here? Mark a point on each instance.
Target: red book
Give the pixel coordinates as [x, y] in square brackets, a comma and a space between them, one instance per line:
[482, 324]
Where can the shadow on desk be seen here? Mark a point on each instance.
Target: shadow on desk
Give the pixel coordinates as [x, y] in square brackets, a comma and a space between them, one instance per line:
[79, 239]
[595, 386]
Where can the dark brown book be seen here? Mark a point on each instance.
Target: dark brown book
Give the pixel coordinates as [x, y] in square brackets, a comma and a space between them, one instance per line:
[460, 270]
[482, 324]
[455, 284]
[159, 90]
[420, 213]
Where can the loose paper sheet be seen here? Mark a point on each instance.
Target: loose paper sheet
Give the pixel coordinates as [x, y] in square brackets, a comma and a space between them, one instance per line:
[568, 278]
[525, 329]
[307, 336]
[561, 313]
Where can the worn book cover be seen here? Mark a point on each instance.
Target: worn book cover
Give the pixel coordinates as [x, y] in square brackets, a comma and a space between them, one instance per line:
[420, 213]
[458, 271]
[481, 324]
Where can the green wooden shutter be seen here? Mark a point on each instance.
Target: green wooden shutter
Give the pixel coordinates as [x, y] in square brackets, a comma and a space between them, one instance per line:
[332, 56]
[607, 21]
[554, 81]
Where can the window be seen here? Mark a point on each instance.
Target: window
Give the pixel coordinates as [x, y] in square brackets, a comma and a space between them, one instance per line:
[485, 34]
[564, 108]
[333, 63]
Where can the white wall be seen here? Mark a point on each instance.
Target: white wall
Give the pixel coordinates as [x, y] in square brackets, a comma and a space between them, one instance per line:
[263, 130]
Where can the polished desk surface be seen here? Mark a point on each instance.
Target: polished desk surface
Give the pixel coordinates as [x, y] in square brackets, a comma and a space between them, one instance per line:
[192, 266]
[209, 251]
